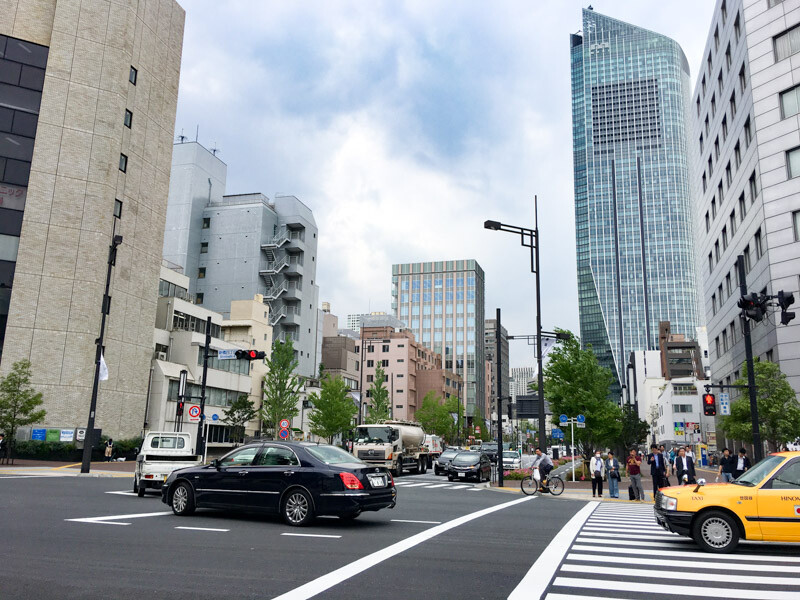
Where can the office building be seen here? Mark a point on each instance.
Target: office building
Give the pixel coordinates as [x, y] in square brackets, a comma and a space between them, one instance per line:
[521, 380]
[442, 303]
[340, 353]
[630, 90]
[746, 139]
[233, 247]
[87, 115]
[354, 321]
[490, 348]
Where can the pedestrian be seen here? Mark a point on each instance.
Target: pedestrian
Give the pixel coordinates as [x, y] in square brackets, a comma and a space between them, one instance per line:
[3, 446]
[684, 468]
[727, 465]
[612, 469]
[667, 465]
[109, 449]
[689, 452]
[597, 469]
[634, 464]
[657, 468]
[742, 463]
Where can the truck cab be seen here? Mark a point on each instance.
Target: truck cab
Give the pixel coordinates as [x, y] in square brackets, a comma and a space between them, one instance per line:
[162, 453]
[396, 445]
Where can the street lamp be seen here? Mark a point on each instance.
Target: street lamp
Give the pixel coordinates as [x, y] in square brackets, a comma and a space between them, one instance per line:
[529, 238]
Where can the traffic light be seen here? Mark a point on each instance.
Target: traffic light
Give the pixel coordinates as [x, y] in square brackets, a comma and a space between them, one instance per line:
[709, 405]
[250, 354]
[785, 300]
[753, 306]
[179, 409]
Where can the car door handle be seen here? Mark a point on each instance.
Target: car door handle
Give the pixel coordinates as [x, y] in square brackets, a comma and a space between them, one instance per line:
[288, 472]
[242, 473]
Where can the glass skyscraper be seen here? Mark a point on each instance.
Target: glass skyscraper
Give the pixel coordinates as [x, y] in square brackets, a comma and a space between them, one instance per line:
[630, 97]
[442, 303]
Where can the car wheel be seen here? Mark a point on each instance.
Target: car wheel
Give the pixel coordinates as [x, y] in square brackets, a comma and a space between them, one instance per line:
[135, 485]
[421, 466]
[183, 499]
[140, 492]
[436, 471]
[399, 468]
[297, 508]
[449, 478]
[715, 531]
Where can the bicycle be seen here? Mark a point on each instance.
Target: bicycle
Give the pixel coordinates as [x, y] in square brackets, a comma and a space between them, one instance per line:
[531, 486]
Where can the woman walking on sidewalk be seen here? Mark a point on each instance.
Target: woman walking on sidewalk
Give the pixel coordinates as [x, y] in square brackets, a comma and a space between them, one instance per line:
[612, 468]
[597, 468]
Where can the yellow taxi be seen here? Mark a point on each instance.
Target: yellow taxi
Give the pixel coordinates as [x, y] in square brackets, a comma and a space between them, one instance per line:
[762, 504]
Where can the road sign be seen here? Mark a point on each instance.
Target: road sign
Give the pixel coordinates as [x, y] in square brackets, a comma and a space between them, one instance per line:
[580, 425]
[724, 404]
[215, 417]
[478, 429]
[194, 413]
[556, 433]
[563, 419]
[580, 419]
[80, 434]
[284, 424]
[283, 433]
[226, 354]
[724, 397]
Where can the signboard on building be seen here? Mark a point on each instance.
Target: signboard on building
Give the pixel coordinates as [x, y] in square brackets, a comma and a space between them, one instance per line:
[39, 435]
[711, 440]
[679, 427]
[53, 435]
[67, 435]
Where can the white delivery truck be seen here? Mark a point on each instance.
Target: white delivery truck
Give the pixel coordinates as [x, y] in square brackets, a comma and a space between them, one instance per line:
[396, 445]
[435, 446]
[162, 453]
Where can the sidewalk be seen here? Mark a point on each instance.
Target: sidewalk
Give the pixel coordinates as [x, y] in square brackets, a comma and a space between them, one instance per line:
[45, 468]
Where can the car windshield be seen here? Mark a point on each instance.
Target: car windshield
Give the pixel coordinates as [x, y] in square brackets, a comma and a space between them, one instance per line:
[331, 455]
[466, 458]
[761, 469]
[511, 454]
[492, 447]
[373, 435]
[448, 454]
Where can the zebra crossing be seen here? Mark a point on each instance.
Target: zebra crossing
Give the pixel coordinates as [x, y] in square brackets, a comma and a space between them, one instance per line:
[621, 552]
[433, 484]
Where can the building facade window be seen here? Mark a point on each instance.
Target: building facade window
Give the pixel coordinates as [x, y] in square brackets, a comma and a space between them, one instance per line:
[133, 75]
[793, 162]
[201, 273]
[790, 102]
[117, 208]
[128, 118]
[757, 243]
[796, 225]
[787, 43]
[203, 247]
[199, 298]
[206, 222]
[123, 163]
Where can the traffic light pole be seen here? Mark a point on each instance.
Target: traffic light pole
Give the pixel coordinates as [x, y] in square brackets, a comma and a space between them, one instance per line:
[201, 442]
[751, 376]
[499, 361]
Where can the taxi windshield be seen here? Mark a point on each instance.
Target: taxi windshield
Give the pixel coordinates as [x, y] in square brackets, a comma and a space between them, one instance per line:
[761, 469]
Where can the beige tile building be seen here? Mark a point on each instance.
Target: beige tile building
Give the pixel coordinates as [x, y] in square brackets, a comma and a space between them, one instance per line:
[100, 130]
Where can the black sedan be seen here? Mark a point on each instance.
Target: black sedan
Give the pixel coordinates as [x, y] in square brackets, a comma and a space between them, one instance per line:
[296, 480]
[470, 464]
[442, 463]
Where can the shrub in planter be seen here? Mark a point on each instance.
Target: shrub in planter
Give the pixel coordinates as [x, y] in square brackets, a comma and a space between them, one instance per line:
[517, 474]
[36, 450]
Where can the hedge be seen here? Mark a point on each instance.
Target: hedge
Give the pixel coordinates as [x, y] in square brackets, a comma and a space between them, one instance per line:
[68, 452]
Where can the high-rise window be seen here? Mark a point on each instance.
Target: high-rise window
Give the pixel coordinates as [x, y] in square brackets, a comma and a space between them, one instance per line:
[737, 28]
[728, 284]
[724, 128]
[787, 43]
[737, 153]
[796, 225]
[128, 118]
[710, 262]
[742, 207]
[123, 163]
[716, 148]
[713, 208]
[746, 255]
[206, 222]
[203, 247]
[748, 133]
[790, 102]
[733, 222]
[201, 273]
[716, 38]
[728, 59]
[133, 75]
[753, 188]
[793, 162]
[724, 238]
[733, 105]
[713, 105]
[708, 222]
[742, 79]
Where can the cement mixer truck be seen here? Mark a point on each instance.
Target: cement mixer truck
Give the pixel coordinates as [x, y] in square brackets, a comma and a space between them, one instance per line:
[396, 445]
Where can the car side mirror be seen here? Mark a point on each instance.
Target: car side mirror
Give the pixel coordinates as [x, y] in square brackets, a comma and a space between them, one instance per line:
[700, 483]
[215, 463]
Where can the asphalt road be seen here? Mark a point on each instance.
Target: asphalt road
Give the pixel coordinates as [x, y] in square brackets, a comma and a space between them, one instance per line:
[75, 537]
[49, 555]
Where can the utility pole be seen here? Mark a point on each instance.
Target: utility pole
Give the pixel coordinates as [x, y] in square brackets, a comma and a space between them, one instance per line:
[751, 375]
[88, 441]
[201, 442]
[499, 361]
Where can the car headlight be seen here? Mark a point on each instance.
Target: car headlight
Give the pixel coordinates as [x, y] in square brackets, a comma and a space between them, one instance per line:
[668, 503]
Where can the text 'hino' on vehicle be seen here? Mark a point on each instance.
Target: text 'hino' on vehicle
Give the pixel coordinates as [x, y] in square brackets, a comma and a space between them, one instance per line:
[396, 445]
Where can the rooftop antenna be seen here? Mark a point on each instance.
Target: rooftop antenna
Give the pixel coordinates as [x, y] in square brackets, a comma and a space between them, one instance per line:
[214, 150]
[181, 137]
[197, 133]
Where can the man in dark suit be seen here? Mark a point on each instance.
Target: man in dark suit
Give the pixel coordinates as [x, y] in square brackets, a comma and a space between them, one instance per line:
[658, 468]
[742, 463]
[684, 466]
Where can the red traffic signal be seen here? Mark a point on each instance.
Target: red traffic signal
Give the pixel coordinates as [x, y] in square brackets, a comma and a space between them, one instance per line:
[250, 354]
[709, 405]
[179, 409]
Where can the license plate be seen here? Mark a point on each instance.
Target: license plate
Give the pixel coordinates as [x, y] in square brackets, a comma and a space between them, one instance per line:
[462, 474]
[377, 482]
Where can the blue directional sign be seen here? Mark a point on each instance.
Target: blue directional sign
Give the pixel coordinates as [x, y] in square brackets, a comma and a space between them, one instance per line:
[214, 417]
[581, 419]
[563, 419]
[557, 433]
[226, 354]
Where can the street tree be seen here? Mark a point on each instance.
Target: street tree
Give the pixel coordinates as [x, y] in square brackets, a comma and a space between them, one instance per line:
[333, 409]
[237, 415]
[19, 403]
[778, 411]
[455, 410]
[632, 433]
[575, 383]
[281, 386]
[379, 409]
[434, 416]
[479, 422]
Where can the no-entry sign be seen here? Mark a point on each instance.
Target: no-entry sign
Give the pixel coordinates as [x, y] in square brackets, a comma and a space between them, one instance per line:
[194, 413]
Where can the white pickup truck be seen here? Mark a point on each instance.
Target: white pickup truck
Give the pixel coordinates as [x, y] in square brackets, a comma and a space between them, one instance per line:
[162, 453]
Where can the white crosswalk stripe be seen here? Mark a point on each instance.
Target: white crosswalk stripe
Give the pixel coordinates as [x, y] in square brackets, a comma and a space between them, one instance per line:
[621, 552]
[434, 485]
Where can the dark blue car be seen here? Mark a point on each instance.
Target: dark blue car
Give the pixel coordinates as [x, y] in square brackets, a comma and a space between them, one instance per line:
[298, 480]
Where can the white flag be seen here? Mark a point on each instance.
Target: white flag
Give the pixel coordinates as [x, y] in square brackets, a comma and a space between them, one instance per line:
[103, 369]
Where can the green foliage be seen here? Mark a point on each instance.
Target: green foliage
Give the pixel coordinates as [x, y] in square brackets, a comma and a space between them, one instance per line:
[333, 409]
[454, 406]
[632, 433]
[321, 371]
[778, 410]
[380, 409]
[19, 402]
[478, 421]
[281, 386]
[36, 450]
[433, 416]
[237, 415]
[575, 383]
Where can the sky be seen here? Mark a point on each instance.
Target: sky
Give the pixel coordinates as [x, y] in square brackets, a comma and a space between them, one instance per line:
[404, 126]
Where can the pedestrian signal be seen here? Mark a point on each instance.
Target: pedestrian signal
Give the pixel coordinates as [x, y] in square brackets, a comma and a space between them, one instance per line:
[709, 405]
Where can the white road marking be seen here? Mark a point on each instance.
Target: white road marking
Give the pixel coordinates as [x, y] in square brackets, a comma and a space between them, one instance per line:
[110, 520]
[123, 493]
[738, 557]
[438, 485]
[611, 542]
[631, 530]
[474, 489]
[410, 521]
[636, 536]
[409, 485]
[28, 476]
[678, 564]
[319, 585]
[538, 576]
[649, 588]
[657, 574]
[459, 487]
[202, 529]
[314, 535]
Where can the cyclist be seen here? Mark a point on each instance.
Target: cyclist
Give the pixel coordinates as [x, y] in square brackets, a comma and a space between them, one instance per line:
[545, 465]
